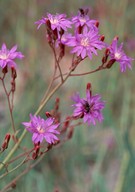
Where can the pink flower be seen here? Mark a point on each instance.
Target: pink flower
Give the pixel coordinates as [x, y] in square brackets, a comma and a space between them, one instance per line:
[117, 54]
[42, 129]
[58, 21]
[83, 20]
[86, 44]
[7, 56]
[88, 108]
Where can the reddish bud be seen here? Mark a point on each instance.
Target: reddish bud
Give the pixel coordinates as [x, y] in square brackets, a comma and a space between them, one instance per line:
[34, 156]
[102, 38]
[88, 86]
[5, 69]
[36, 150]
[80, 29]
[55, 33]
[105, 57]
[13, 185]
[57, 102]
[110, 63]
[48, 114]
[6, 141]
[13, 86]
[48, 24]
[13, 73]
[4, 146]
[7, 137]
[97, 24]
[107, 51]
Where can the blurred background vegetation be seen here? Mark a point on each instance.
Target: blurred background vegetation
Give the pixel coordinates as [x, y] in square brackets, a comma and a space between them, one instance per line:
[96, 159]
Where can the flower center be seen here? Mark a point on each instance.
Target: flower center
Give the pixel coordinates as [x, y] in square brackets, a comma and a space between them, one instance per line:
[54, 21]
[3, 56]
[117, 55]
[40, 129]
[87, 107]
[82, 20]
[85, 42]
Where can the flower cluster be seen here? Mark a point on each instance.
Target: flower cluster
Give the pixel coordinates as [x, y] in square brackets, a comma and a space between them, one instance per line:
[7, 56]
[42, 129]
[88, 108]
[85, 41]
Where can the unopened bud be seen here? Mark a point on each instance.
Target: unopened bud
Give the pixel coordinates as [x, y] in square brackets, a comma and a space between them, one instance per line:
[55, 34]
[13, 86]
[110, 63]
[105, 57]
[6, 141]
[80, 29]
[34, 156]
[88, 88]
[13, 73]
[5, 69]
[48, 114]
[97, 24]
[7, 137]
[13, 185]
[102, 38]
[57, 102]
[48, 23]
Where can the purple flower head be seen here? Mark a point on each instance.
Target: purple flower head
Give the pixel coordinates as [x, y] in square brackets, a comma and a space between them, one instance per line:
[86, 44]
[42, 129]
[117, 54]
[88, 108]
[83, 20]
[7, 56]
[58, 21]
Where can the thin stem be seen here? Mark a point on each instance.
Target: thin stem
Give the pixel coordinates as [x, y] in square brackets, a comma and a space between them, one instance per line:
[50, 84]
[57, 62]
[3, 175]
[86, 73]
[9, 105]
[89, 72]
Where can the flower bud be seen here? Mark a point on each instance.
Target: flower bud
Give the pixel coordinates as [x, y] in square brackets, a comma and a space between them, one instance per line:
[5, 69]
[97, 24]
[13, 73]
[48, 114]
[110, 63]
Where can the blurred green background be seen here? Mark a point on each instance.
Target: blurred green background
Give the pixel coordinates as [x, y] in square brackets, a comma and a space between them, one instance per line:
[96, 159]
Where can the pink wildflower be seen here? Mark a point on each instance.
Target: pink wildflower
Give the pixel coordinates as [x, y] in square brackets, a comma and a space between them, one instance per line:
[42, 129]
